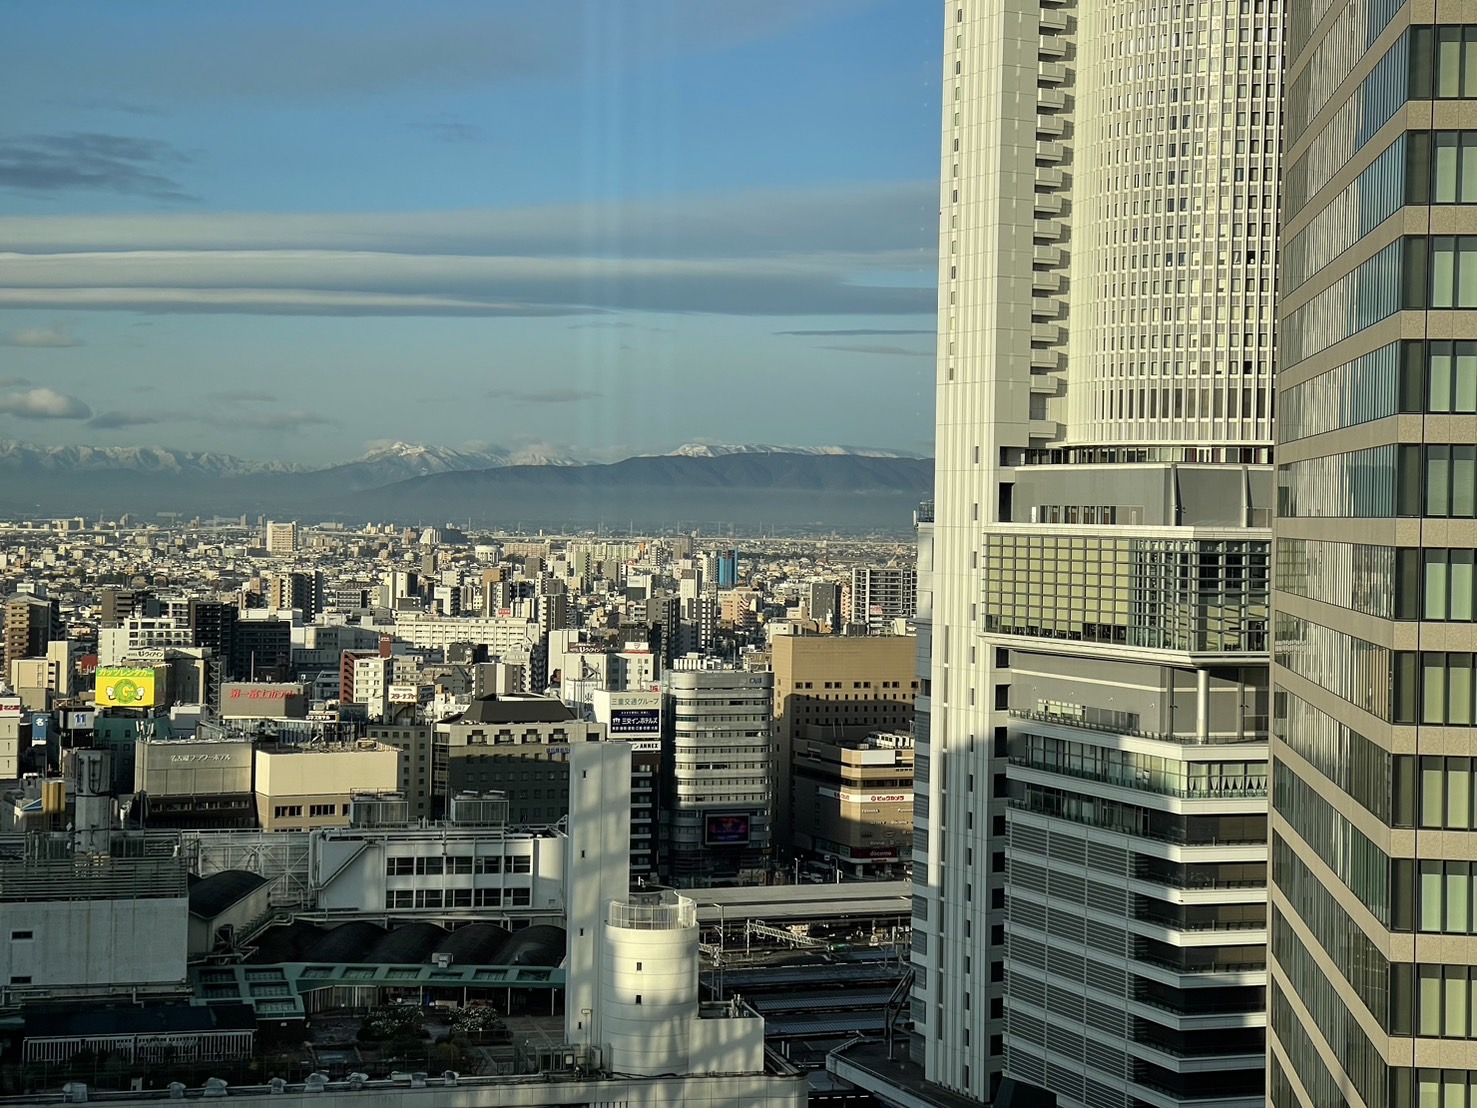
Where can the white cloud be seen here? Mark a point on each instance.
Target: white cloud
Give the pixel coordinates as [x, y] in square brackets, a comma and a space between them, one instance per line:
[784, 252]
[289, 420]
[41, 337]
[845, 217]
[43, 404]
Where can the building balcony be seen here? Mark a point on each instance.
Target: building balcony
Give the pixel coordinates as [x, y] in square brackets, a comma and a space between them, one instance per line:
[1045, 280]
[1048, 230]
[1215, 892]
[1250, 790]
[1049, 177]
[1207, 974]
[1175, 837]
[1259, 736]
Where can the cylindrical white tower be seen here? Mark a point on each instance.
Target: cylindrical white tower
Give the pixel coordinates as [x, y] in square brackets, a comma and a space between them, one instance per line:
[648, 983]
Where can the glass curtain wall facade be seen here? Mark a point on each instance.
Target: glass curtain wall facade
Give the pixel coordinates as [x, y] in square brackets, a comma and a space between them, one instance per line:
[1094, 576]
[1372, 999]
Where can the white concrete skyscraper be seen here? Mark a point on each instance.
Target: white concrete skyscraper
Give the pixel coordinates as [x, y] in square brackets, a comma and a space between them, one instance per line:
[1090, 822]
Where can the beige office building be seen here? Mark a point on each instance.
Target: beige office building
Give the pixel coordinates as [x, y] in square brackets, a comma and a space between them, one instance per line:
[831, 688]
[1374, 834]
[854, 803]
[304, 788]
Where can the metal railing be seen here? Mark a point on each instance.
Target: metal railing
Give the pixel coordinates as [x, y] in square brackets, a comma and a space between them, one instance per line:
[1139, 785]
[1252, 736]
[1178, 838]
[660, 912]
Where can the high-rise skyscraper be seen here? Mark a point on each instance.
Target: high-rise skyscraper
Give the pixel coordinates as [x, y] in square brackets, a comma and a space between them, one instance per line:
[882, 594]
[1090, 821]
[719, 773]
[1373, 917]
[30, 622]
[280, 538]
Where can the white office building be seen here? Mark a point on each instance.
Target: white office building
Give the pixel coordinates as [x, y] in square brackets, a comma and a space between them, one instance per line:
[1090, 816]
[720, 775]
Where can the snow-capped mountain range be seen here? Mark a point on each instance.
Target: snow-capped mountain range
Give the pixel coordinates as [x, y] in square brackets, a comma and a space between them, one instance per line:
[835, 487]
[382, 465]
[28, 457]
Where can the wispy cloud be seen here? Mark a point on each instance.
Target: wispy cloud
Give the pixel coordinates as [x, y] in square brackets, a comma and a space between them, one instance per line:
[41, 337]
[107, 421]
[43, 403]
[542, 396]
[880, 348]
[618, 325]
[292, 419]
[105, 103]
[823, 251]
[447, 129]
[859, 331]
[90, 162]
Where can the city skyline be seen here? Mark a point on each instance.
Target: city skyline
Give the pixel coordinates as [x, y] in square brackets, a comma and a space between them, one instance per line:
[291, 233]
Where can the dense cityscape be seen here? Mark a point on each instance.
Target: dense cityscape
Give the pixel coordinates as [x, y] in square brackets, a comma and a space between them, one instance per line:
[1127, 766]
[242, 704]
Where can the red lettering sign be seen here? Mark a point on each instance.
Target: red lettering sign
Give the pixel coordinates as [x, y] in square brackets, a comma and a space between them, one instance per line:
[265, 694]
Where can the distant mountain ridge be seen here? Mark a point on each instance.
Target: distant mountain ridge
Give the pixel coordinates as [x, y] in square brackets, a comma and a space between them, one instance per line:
[844, 492]
[28, 457]
[838, 488]
[396, 461]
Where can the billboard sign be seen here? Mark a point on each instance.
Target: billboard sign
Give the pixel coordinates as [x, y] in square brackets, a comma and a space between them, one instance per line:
[852, 796]
[262, 700]
[726, 829]
[126, 687]
[635, 721]
[10, 707]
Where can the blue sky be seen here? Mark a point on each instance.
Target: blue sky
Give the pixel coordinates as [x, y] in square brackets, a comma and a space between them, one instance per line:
[588, 228]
